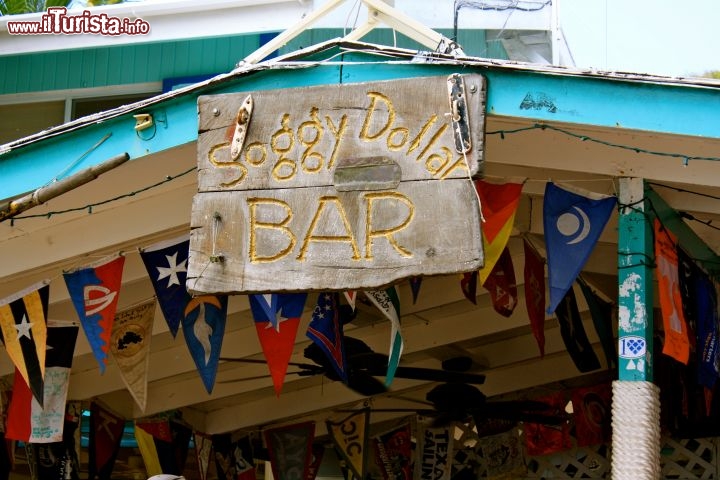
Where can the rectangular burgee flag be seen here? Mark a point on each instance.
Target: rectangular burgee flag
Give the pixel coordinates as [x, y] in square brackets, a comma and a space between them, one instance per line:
[94, 291]
[204, 329]
[591, 411]
[326, 330]
[677, 341]
[130, 347]
[573, 220]
[394, 452]
[573, 334]
[28, 421]
[166, 264]
[350, 436]
[435, 451]
[534, 277]
[277, 318]
[106, 431]
[388, 303]
[543, 439]
[23, 318]
[502, 285]
[290, 449]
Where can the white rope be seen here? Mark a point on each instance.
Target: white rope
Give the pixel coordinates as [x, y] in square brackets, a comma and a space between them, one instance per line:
[636, 431]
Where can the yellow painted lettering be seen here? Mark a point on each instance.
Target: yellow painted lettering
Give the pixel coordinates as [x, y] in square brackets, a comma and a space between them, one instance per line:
[375, 198]
[239, 169]
[337, 133]
[282, 142]
[365, 130]
[311, 161]
[311, 237]
[397, 138]
[281, 227]
[436, 162]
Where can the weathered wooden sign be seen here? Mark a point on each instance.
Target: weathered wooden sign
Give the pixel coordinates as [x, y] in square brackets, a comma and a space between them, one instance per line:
[337, 187]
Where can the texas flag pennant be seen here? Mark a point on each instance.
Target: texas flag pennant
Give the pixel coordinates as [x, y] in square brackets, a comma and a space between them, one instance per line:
[24, 333]
[277, 332]
[468, 285]
[534, 277]
[573, 221]
[166, 264]
[350, 296]
[388, 303]
[204, 329]
[677, 341]
[326, 331]
[94, 291]
[502, 286]
[499, 202]
[28, 420]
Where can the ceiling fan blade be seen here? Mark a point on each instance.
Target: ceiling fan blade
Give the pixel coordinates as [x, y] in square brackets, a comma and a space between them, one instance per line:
[434, 375]
[523, 411]
[306, 366]
[365, 384]
[258, 377]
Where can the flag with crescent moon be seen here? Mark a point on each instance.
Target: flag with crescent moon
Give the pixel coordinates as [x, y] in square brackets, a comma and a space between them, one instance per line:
[204, 329]
[166, 264]
[573, 220]
[94, 291]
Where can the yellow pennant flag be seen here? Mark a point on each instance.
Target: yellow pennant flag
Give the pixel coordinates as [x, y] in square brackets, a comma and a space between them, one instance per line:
[351, 440]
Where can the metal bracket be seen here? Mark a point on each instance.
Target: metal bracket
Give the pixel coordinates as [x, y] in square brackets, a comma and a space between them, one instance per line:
[459, 113]
[242, 122]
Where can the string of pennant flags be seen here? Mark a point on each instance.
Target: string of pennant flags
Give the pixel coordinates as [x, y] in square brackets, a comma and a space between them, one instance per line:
[573, 221]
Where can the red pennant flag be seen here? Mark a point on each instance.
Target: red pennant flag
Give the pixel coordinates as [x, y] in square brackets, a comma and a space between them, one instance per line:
[534, 275]
[318, 452]
[591, 410]
[394, 453]
[468, 285]
[290, 449]
[106, 431]
[502, 286]
[677, 342]
[543, 439]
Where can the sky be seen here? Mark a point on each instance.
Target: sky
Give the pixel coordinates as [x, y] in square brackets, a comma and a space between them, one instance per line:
[677, 38]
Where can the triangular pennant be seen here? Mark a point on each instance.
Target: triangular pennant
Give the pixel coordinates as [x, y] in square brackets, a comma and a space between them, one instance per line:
[318, 453]
[290, 449]
[350, 436]
[592, 412]
[573, 221]
[468, 285]
[277, 343]
[350, 296]
[130, 346]
[499, 202]
[708, 351]
[94, 291]
[23, 319]
[326, 330]
[435, 451]
[203, 452]
[28, 421]
[677, 341]
[106, 431]
[388, 303]
[503, 454]
[394, 452]
[166, 264]
[502, 286]
[543, 439]
[601, 313]
[534, 277]
[415, 283]
[573, 334]
[204, 329]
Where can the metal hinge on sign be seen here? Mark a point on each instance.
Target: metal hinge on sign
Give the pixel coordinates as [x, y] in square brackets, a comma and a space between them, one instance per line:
[459, 113]
[242, 122]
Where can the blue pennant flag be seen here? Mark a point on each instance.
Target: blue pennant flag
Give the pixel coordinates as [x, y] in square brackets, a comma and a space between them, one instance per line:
[204, 328]
[326, 331]
[573, 222]
[166, 264]
[276, 307]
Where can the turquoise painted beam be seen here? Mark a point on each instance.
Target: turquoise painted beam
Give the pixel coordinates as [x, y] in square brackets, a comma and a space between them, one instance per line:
[536, 95]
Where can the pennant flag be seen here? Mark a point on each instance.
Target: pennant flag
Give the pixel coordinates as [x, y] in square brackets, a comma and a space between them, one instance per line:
[166, 264]
[543, 439]
[203, 453]
[502, 285]
[94, 291]
[28, 421]
[57, 460]
[277, 331]
[415, 283]
[503, 454]
[434, 452]
[468, 285]
[106, 431]
[130, 346]
[708, 351]
[318, 452]
[23, 319]
[389, 304]
[290, 449]
[573, 221]
[601, 312]
[534, 277]
[350, 296]
[677, 342]
[499, 202]
[163, 445]
[326, 331]
[394, 453]
[204, 329]
[573, 334]
[350, 437]
[591, 411]
[687, 270]
[234, 457]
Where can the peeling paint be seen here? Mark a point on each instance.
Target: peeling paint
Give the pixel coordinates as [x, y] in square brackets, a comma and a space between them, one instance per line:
[538, 101]
[623, 318]
[629, 285]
